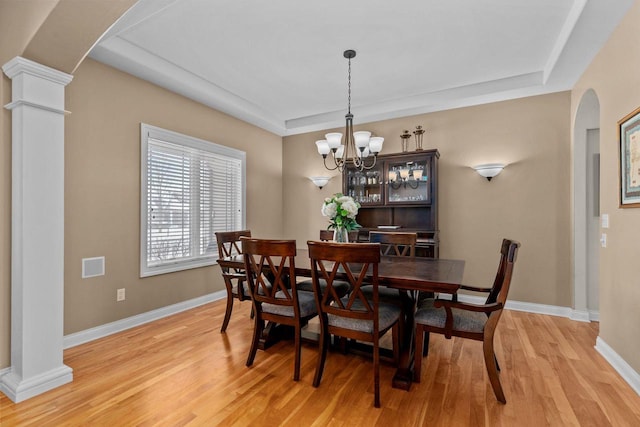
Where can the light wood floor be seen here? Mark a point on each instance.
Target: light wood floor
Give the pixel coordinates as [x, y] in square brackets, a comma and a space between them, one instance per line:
[181, 371]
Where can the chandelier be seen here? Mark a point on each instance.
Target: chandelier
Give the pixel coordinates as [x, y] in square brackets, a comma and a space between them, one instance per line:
[358, 146]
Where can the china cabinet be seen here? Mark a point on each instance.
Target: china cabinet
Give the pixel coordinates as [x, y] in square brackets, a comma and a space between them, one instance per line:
[400, 193]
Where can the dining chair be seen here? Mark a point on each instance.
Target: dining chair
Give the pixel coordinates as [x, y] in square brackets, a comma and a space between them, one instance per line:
[270, 270]
[394, 244]
[234, 280]
[353, 316]
[466, 320]
[342, 287]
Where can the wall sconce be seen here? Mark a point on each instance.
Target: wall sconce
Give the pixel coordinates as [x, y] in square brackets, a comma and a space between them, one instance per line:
[489, 170]
[320, 181]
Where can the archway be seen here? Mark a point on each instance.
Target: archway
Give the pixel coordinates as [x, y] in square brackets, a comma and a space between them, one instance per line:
[586, 180]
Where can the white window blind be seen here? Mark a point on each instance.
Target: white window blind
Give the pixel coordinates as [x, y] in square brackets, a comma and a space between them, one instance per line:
[190, 189]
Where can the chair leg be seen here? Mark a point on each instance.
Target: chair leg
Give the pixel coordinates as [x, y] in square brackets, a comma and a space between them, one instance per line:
[418, 353]
[257, 331]
[324, 344]
[490, 363]
[296, 368]
[376, 373]
[227, 313]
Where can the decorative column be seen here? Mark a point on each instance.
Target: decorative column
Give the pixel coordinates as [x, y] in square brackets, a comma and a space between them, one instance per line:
[37, 230]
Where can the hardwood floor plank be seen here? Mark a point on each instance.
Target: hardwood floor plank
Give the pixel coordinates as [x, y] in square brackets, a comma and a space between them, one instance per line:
[181, 371]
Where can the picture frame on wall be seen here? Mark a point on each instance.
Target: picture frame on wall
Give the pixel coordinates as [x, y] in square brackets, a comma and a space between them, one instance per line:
[629, 139]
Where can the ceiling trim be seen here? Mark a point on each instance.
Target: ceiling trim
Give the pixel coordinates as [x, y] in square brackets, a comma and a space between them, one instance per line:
[131, 59]
[563, 38]
[586, 28]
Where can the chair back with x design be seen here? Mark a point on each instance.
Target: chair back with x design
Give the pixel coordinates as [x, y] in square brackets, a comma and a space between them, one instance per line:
[358, 315]
[395, 243]
[270, 267]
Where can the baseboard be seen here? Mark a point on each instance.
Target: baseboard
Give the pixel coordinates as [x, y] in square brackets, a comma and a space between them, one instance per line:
[623, 368]
[594, 315]
[580, 315]
[18, 389]
[88, 335]
[529, 307]
[107, 329]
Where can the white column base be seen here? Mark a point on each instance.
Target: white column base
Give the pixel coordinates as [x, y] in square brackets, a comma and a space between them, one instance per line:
[18, 389]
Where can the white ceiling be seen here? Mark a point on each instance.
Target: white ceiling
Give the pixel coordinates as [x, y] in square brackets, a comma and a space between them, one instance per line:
[279, 64]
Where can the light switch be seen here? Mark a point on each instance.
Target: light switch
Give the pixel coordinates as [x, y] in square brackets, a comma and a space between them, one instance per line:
[603, 240]
[605, 220]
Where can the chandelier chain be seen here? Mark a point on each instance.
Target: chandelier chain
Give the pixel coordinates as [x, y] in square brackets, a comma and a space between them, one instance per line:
[349, 89]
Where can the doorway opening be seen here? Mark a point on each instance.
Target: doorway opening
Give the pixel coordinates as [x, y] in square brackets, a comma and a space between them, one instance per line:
[586, 181]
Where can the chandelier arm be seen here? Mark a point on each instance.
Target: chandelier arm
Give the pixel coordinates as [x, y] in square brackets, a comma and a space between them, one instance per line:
[327, 167]
[372, 164]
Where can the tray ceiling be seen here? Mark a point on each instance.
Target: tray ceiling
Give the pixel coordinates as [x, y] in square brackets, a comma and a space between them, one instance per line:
[279, 64]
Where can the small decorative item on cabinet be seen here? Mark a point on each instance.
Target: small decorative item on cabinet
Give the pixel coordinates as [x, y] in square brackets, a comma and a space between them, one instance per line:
[418, 133]
[405, 140]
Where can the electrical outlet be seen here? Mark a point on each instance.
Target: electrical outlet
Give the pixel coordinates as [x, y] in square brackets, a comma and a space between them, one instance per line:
[605, 220]
[120, 295]
[603, 240]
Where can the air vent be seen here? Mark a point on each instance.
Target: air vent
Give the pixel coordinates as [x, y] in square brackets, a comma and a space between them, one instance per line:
[92, 267]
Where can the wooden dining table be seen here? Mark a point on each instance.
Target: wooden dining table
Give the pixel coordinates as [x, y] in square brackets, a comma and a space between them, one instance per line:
[412, 274]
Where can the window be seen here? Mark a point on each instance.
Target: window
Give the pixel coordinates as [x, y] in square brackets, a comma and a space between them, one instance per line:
[190, 189]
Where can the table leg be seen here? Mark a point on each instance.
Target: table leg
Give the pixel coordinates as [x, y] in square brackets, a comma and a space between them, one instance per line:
[404, 374]
[274, 332]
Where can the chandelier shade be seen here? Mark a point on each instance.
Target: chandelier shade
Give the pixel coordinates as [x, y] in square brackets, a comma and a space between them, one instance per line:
[357, 147]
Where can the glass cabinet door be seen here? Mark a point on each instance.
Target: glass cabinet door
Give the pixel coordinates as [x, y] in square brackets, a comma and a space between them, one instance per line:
[408, 182]
[365, 186]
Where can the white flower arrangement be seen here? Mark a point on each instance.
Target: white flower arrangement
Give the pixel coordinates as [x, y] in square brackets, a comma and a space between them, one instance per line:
[341, 211]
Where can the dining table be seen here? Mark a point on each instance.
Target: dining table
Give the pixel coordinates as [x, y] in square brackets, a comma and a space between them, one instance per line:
[410, 274]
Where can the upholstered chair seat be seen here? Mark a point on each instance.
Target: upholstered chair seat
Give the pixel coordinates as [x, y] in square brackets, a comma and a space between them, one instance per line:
[463, 320]
[306, 301]
[387, 315]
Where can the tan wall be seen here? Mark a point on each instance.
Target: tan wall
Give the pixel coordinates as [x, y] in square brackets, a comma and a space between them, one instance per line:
[529, 201]
[102, 190]
[614, 75]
